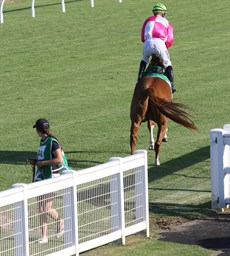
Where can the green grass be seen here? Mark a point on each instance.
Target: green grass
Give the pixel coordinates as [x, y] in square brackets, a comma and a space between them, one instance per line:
[79, 69]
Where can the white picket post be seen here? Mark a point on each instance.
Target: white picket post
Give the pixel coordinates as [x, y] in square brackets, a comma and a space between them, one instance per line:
[220, 166]
[33, 8]
[21, 233]
[217, 177]
[92, 3]
[63, 5]
[118, 202]
[226, 160]
[71, 214]
[227, 146]
[1, 10]
[143, 178]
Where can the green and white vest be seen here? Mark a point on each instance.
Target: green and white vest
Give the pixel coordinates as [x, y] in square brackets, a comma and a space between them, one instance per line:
[45, 153]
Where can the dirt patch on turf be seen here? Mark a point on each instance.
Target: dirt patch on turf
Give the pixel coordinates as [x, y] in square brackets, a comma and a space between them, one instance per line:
[167, 223]
[210, 233]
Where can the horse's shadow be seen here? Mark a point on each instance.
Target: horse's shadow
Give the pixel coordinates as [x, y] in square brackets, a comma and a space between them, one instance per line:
[180, 163]
[171, 167]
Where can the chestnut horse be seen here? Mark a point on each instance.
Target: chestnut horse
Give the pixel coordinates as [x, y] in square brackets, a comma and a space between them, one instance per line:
[153, 102]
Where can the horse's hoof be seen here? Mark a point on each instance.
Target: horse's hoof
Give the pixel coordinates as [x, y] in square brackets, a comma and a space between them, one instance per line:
[151, 147]
[164, 140]
[157, 162]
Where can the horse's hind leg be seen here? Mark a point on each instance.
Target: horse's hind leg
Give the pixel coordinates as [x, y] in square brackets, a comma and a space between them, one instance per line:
[151, 138]
[139, 108]
[165, 139]
[133, 136]
[160, 135]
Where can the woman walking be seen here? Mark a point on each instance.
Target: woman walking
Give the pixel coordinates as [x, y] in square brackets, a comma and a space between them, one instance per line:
[50, 162]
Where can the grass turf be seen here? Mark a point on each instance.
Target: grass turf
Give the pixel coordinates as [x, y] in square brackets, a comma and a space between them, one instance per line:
[78, 70]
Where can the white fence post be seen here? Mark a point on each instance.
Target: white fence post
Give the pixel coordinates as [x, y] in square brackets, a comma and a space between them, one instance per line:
[33, 7]
[227, 147]
[227, 128]
[226, 161]
[144, 190]
[70, 214]
[21, 234]
[92, 2]
[117, 202]
[220, 166]
[217, 175]
[63, 5]
[1, 10]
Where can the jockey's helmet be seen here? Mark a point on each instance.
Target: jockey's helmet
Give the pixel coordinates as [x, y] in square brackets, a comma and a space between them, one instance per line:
[159, 8]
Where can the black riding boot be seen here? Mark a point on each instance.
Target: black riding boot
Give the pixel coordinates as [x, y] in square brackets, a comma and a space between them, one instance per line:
[170, 75]
[141, 70]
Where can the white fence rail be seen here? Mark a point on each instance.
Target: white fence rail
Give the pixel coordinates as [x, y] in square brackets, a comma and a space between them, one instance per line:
[220, 166]
[99, 205]
[33, 7]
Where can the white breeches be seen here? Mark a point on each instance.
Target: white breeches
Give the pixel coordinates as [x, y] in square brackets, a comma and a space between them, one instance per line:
[156, 46]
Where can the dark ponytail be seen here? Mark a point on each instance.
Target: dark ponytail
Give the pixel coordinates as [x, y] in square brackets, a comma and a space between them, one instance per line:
[46, 130]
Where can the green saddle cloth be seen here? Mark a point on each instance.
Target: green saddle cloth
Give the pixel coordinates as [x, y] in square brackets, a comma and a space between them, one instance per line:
[165, 78]
[156, 71]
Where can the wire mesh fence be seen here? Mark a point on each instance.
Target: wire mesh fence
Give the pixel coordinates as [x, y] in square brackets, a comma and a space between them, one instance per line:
[77, 211]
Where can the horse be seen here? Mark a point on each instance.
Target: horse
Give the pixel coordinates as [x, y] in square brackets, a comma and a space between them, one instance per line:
[152, 101]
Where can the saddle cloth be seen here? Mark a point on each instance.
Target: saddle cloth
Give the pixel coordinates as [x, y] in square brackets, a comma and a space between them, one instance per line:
[165, 78]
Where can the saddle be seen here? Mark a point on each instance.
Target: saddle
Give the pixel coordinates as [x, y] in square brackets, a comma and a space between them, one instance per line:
[155, 70]
[155, 66]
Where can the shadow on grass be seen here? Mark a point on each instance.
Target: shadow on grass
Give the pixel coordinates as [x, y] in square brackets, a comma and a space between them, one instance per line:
[155, 172]
[16, 157]
[20, 157]
[186, 211]
[83, 164]
[97, 152]
[180, 163]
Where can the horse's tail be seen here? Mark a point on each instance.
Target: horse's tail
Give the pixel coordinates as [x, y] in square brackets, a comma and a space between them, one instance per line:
[174, 111]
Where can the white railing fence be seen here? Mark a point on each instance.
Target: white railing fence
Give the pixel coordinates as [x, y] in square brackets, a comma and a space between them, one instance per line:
[33, 7]
[220, 166]
[98, 205]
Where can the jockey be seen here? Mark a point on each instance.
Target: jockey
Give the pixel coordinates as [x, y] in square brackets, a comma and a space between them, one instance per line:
[157, 36]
